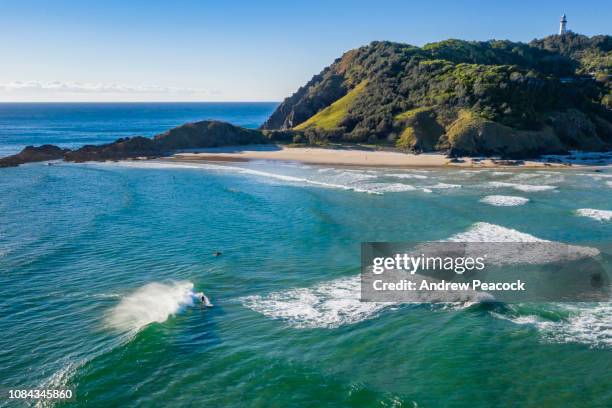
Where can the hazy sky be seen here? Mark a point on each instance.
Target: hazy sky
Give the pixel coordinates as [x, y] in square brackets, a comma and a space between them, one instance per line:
[236, 50]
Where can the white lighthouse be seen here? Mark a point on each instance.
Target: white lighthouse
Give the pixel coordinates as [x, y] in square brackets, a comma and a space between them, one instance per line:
[562, 25]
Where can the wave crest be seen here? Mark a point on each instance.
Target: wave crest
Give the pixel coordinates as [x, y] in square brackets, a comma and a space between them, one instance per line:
[152, 303]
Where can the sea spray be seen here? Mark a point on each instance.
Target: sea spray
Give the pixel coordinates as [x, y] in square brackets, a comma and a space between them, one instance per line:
[152, 303]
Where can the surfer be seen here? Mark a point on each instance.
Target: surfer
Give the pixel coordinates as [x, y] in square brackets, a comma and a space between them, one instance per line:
[205, 301]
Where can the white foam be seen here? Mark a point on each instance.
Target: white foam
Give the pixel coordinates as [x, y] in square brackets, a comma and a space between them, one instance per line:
[361, 171]
[406, 176]
[444, 186]
[485, 232]
[521, 187]
[336, 303]
[599, 215]
[352, 180]
[148, 164]
[294, 165]
[300, 180]
[590, 325]
[357, 176]
[537, 177]
[523, 252]
[504, 201]
[526, 176]
[586, 324]
[609, 184]
[154, 302]
[596, 176]
[327, 305]
[347, 185]
[388, 187]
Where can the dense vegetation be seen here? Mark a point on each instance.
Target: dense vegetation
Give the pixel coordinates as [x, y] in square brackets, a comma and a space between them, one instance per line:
[494, 97]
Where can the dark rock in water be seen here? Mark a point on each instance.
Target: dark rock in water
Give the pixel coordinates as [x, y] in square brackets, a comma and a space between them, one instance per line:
[189, 136]
[207, 134]
[124, 148]
[34, 154]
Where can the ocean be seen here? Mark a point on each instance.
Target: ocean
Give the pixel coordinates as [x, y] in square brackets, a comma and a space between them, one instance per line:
[76, 124]
[101, 266]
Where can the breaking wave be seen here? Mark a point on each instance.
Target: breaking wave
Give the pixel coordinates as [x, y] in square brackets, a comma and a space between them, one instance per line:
[326, 305]
[152, 303]
[351, 180]
[485, 232]
[582, 324]
[599, 215]
[444, 186]
[406, 176]
[504, 201]
[336, 303]
[567, 323]
[521, 187]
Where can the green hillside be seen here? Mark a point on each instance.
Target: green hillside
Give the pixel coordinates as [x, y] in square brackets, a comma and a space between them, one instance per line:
[506, 98]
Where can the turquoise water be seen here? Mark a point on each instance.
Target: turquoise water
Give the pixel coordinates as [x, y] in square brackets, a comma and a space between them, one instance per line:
[100, 263]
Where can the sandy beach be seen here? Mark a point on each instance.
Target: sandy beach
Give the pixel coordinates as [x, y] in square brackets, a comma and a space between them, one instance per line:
[348, 157]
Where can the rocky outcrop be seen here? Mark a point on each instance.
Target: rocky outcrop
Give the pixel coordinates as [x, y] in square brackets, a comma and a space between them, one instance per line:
[120, 149]
[207, 134]
[189, 136]
[33, 154]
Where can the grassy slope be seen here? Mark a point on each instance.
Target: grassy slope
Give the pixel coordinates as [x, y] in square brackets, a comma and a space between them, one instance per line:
[410, 113]
[330, 117]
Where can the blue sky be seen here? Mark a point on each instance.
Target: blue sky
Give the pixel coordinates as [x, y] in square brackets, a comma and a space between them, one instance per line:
[235, 50]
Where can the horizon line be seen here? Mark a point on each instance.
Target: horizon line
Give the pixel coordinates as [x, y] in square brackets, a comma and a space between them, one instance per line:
[24, 102]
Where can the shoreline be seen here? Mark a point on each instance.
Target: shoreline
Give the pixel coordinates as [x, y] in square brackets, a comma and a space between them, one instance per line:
[356, 157]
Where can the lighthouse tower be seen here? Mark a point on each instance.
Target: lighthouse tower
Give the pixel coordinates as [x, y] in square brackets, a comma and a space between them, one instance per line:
[562, 24]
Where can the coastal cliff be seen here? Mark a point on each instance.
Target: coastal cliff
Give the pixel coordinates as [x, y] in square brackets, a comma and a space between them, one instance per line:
[462, 97]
